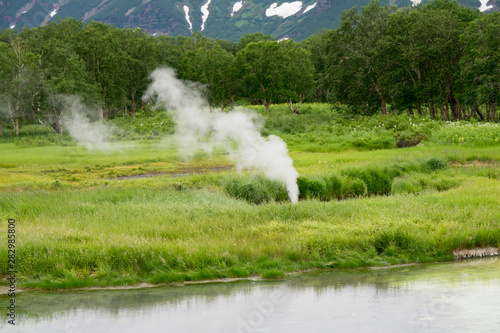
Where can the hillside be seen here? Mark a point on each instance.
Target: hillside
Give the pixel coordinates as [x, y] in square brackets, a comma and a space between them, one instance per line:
[225, 19]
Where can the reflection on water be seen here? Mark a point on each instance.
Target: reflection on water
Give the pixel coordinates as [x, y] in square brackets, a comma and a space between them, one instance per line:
[452, 297]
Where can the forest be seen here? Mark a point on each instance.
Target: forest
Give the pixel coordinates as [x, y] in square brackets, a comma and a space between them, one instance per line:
[439, 60]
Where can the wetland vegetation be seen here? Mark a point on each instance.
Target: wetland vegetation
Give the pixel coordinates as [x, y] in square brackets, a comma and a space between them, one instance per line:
[364, 202]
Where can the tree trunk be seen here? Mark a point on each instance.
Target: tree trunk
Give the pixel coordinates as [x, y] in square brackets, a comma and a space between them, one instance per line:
[445, 112]
[1, 128]
[290, 106]
[455, 107]
[419, 109]
[57, 127]
[266, 105]
[132, 108]
[432, 110]
[465, 112]
[491, 112]
[477, 112]
[383, 106]
[15, 124]
[410, 112]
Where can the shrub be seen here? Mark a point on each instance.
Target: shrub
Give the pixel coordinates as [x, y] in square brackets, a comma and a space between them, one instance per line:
[445, 184]
[397, 239]
[405, 185]
[256, 190]
[334, 187]
[434, 164]
[377, 180]
[354, 187]
[374, 140]
[422, 182]
[311, 187]
[468, 134]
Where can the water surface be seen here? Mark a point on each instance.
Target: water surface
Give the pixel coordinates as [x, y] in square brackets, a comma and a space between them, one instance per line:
[451, 297]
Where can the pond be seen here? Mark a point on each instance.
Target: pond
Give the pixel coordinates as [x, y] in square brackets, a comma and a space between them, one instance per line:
[450, 297]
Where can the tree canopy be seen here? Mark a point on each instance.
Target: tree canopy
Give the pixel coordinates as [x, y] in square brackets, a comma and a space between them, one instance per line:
[438, 59]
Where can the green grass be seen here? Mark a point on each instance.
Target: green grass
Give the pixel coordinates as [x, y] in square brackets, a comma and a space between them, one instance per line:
[78, 225]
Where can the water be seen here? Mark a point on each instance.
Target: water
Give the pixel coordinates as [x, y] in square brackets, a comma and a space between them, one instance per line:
[452, 297]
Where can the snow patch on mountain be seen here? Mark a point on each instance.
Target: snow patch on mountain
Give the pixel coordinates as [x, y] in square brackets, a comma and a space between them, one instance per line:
[308, 8]
[237, 6]
[205, 12]
[53, 13]
[130, 11]
[285, 10]
[186, 13]
[484, 5]
[415, 3]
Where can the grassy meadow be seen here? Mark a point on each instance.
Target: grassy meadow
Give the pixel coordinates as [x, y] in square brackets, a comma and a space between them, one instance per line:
[375, 191]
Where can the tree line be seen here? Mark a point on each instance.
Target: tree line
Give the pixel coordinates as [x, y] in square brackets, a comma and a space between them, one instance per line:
[439, 59]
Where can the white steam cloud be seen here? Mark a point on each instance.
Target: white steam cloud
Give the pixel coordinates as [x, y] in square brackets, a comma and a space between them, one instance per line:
[75, 119]
[199, 128]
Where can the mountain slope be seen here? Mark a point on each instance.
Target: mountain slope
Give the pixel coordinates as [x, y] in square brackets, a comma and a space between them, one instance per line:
[225, 19]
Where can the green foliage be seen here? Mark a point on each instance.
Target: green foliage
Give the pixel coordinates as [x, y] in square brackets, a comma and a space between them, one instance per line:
[321, 188]
[468, 134]
[393, 241]
[354, 187]
[213, 235]
[378, 180]
[334, 187]
[434, 164]
[380, 61]
[154, 124]
[312, 187]
[256, 190]
[274, 72]
[415, 184]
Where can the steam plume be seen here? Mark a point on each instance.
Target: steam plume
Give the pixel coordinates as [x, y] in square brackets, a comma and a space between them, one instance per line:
[199, 128]
[75, 118]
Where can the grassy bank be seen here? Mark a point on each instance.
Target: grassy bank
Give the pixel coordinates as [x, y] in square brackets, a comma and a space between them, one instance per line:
[79, 224]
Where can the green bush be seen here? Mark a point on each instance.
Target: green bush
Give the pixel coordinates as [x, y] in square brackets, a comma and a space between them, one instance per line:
[374, 140]
[405, 185]
[434, 164]
[465, 133]
[51, 139]
[35, 130]
[420, 182]
[445, 184]
[354, 187]
[334, 187]
[256, 190]
[395, 240]
[377, 180]
[312, 188]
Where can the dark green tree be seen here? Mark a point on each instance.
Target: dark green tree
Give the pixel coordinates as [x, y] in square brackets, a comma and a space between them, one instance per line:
[481, 64]
[205, 61]
[356, 65]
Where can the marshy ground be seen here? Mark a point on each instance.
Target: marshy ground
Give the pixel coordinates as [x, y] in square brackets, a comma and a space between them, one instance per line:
[81, 222]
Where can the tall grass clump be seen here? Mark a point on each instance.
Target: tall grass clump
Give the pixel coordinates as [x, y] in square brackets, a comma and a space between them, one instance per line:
[468, 134]
[421, 182]
[433, 164]
[312, 187]
[334, 187]
[378, 180]
[354, 187]
[256, 190]
[324, 188]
